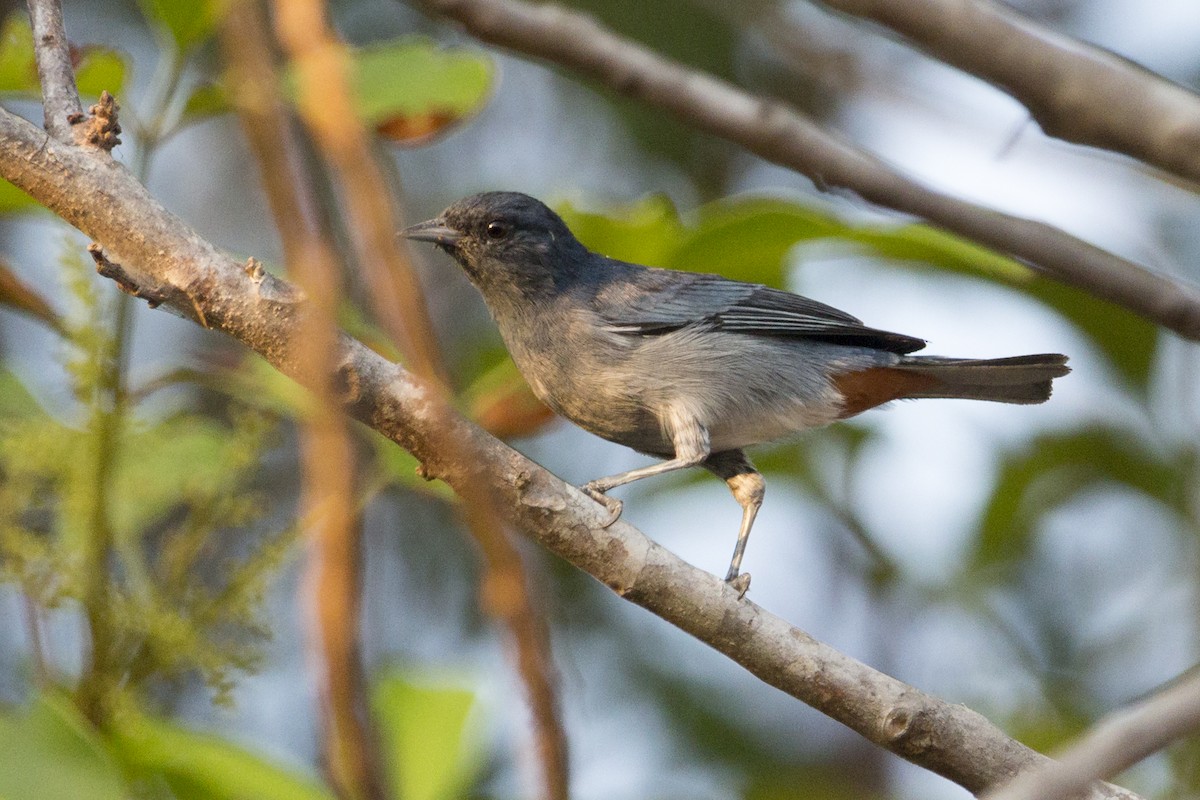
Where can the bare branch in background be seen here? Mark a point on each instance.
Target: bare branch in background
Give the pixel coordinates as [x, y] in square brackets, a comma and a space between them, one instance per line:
[60, 98]
[1113, 745]
[268, 126]
[332, 585]
[327, 109]
[169, 260]
[786, 137]
[1077, 92]
[19, 296]
[320, 63]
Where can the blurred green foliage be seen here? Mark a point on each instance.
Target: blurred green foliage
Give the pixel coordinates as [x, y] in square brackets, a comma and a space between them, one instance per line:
[186, 24]
[1053, 469]
[50, 751]
[164, 513]
[433, 753]
[97, 68]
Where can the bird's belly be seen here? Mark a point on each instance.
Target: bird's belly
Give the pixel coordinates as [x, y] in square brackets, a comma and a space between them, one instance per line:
[748, 427]
[608, 409]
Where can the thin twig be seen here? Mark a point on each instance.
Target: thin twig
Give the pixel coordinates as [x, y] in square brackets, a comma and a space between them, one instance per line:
[106, 406]
[1113, 745]
[60, 98]
[328, 111]
[333, 579]
[784, 136]
[264, 314]
[1077, 92]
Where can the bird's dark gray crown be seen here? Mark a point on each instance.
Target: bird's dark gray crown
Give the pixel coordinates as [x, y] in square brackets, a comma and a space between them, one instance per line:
[524, 214]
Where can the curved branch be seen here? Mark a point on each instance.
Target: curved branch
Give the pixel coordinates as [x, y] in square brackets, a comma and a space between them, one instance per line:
[169, 262]
[1075, 91]
[779, 134]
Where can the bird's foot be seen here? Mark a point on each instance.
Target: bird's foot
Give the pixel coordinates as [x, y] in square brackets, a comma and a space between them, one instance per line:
[740, 582]
[595, 491]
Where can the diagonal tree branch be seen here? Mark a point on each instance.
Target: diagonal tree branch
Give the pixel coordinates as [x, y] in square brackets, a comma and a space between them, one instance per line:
[1114, 744]
[1077, 92]
[779, 134]
[52, 51]
[168, 262]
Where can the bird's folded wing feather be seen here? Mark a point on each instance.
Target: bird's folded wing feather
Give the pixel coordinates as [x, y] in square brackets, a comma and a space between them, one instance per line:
[660, 301]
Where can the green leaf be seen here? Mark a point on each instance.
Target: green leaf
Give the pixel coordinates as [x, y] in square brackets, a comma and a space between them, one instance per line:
[14, 200]
[200, 766]
[432, 753]
[18, 72]
[187, 22]
[1128, 341]
[207, 100]
[96, 67]
[410, 89]
[100, 69]
[646, 232]
[1056, 468]
[749, 239]
[927, 245]
[51, 751]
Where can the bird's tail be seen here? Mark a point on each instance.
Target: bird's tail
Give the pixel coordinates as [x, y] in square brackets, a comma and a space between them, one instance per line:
[1019, 379]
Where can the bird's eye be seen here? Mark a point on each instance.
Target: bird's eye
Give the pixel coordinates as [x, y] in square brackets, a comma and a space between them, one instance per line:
[497, 231]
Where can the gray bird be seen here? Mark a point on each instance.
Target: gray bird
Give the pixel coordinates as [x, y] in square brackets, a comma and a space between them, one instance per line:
[688, 367]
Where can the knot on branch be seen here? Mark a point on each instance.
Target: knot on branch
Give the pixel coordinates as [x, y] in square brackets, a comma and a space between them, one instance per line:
[100, 128]
[347, 384]
[254, 269]
[907, 727]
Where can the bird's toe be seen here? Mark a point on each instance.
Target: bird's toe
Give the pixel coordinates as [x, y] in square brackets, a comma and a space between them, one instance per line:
[739, 582]
[611, 504]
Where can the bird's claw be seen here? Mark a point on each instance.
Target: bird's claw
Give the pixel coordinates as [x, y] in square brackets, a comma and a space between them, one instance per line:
[739, 582]
[611, 504]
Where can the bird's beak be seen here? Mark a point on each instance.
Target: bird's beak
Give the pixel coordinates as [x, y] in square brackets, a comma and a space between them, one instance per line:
[434, 230]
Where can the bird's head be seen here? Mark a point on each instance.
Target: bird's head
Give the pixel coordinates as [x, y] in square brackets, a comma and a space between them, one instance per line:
[505, 240]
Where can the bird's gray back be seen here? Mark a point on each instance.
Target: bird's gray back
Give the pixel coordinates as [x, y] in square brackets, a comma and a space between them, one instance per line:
[744, 389]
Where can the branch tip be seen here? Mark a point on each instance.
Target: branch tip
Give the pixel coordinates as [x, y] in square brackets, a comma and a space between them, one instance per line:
[125, 282]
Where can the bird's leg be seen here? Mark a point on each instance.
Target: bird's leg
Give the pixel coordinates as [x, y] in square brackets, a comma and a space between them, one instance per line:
[748, 487]
[690, 440]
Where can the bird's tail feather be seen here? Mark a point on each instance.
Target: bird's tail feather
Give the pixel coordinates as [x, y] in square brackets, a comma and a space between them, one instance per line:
[1019, 379]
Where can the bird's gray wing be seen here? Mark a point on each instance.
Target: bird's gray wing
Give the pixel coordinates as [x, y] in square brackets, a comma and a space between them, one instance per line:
[660, 301]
